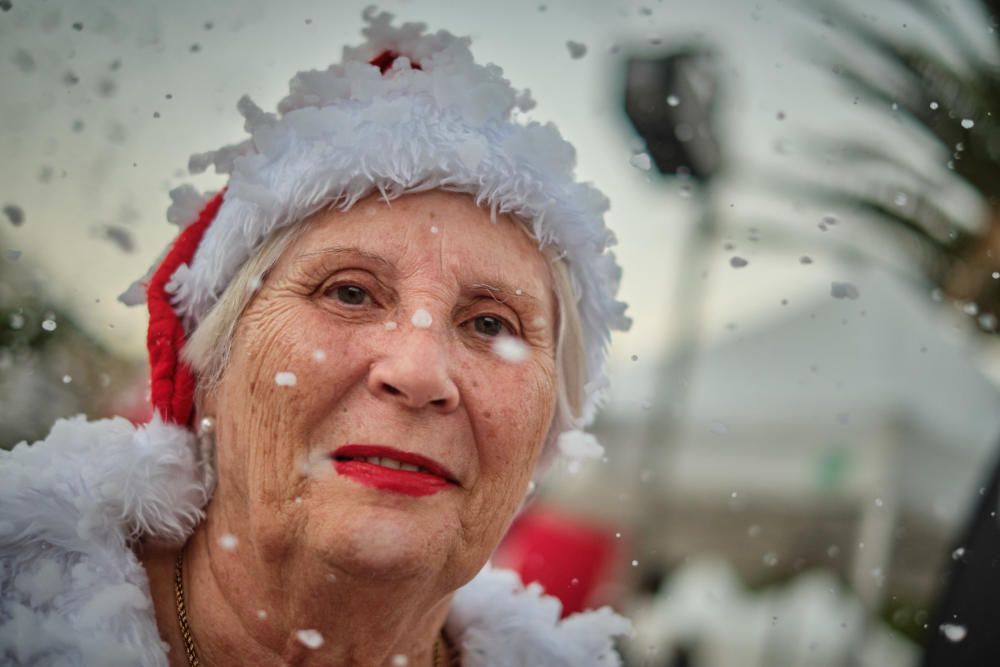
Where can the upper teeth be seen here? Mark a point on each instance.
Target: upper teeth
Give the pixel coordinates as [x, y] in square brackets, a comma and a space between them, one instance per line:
[394, 464]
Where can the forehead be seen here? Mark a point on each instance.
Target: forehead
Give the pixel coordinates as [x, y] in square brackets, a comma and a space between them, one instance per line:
[437, 233]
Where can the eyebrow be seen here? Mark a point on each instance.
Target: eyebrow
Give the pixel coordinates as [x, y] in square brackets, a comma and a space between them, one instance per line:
[497, 287]
[349, 251]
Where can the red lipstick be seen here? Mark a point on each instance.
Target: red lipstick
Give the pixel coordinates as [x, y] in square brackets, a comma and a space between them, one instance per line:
[352, 461]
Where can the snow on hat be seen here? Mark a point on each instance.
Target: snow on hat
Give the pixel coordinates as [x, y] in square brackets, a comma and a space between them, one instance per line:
[406, 111]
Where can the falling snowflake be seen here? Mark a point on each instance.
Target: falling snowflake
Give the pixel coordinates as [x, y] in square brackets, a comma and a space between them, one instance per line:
[510, 349]
[319, 355]
[578, 445]
[844, 291]
[421, 319]
[228, 541]
[15, 214]
[310, 638]
[399, 660]
[737, 262]
[576, 49]
[286, 379]
[390, 326]
[968, 123]
[261, 614]
[120, 236]
[954, 633]
[641, 161]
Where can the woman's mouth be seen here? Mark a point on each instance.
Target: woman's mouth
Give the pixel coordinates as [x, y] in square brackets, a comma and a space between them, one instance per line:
[390, 469]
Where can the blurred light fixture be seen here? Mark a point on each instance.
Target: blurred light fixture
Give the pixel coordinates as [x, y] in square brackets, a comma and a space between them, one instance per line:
[670, 101]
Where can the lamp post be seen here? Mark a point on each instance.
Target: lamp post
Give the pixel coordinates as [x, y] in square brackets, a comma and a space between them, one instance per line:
[670, 102]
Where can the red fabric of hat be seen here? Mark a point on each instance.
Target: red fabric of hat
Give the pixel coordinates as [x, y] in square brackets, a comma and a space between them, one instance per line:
[172, 382]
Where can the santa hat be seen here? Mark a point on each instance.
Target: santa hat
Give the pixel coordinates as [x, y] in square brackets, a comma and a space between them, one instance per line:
[406, 111]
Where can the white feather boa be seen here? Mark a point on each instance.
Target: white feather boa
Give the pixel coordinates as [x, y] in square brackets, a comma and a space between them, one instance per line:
[72, 593]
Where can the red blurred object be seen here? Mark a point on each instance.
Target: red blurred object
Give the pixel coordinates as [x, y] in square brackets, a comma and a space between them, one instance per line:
[570, 556]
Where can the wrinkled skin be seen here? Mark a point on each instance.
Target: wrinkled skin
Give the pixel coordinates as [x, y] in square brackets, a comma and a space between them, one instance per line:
[371, 569]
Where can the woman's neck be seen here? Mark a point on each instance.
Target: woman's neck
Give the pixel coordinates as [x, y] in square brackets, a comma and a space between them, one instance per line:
[241, 616]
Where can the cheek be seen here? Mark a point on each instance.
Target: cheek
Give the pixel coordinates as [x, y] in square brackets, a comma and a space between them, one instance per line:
[287, 367]
[512, 408]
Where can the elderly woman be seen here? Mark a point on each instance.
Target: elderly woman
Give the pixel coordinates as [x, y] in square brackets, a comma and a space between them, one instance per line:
[361, 350]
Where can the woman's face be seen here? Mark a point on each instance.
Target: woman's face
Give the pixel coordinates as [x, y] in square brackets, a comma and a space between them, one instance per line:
[374, 335]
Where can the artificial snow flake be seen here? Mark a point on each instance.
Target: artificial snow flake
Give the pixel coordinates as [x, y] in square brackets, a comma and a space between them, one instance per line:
[510, 349]
[843, 291]
[737, 262]
[968, 123]
[134, 295]
[399, 660]
[672, 100]
[421, 319]
[434, 229]
[641, 161]
[120, 236]
[576, 49]
[49, 324]
[261, 614]
[228, 541]
[15, 214]
[390, 326]
[319, 355]
[578, 445]
[954, 633]
[310, 638]
[958, 553]
[285, 379]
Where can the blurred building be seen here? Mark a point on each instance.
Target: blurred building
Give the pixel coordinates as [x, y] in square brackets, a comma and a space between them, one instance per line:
[848, 436]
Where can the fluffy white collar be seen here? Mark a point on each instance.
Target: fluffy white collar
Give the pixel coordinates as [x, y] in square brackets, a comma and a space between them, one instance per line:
[73, 593]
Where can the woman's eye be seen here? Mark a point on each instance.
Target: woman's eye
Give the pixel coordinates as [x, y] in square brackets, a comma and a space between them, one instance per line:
[351, 295]
[489, 325]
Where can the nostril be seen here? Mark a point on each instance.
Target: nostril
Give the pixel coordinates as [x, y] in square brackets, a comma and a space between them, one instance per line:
[392, 390]
[439, 402]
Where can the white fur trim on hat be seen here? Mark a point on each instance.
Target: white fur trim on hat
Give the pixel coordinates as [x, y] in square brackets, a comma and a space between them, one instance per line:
[349, 131]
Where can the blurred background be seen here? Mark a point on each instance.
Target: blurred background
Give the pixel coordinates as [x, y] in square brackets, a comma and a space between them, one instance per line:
[802, 420]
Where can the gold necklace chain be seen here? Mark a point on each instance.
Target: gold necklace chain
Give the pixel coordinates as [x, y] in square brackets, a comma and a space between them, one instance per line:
[182, 617]
[192, 655]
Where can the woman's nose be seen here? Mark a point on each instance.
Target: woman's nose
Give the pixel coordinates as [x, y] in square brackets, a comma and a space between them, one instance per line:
[415, 373]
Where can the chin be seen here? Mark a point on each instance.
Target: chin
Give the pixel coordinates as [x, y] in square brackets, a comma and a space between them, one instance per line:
[386, 542]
